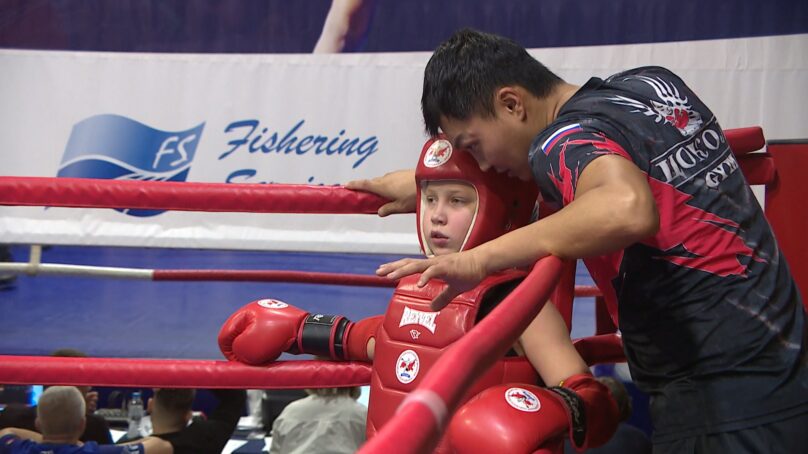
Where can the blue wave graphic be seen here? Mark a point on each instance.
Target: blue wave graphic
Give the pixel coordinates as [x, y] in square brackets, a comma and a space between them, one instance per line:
[115, 147]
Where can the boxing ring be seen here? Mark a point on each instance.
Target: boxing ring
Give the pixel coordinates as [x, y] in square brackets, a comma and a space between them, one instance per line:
[437, 396]
[423, 413]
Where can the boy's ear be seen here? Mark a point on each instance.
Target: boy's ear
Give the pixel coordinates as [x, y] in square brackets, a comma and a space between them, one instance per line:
[509, 101]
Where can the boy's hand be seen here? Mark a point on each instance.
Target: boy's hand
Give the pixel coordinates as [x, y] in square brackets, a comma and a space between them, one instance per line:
[462, 271]
[398, 186]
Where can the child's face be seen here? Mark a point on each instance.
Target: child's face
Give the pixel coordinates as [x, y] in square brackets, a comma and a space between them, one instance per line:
[500, 142]
[449, 209]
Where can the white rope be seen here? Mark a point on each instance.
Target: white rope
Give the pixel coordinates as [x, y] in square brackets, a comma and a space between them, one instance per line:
[60, 269]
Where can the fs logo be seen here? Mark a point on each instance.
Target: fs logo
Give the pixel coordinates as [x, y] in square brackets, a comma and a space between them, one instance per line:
[119, 148]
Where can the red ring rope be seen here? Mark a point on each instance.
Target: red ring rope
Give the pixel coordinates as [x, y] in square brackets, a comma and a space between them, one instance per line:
[185, 196]
[290, 276]
[169, 373]
[229, 197]
[585, 291]
[300, 277]
[745, 140]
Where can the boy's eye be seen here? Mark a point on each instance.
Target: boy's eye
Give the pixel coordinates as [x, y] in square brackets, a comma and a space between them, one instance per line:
[430, 199]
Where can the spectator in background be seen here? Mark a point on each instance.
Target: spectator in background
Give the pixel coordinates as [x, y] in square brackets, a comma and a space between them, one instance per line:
[96, 428]
[329, 420]
[171, 410]
[61, 417]
[274, 401]
[15, 394]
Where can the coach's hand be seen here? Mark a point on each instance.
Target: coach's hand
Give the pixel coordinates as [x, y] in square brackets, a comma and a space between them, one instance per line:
[398, 186]
[462, 271]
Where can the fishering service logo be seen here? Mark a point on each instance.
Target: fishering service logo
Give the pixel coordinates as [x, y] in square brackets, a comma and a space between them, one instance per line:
[116, 147]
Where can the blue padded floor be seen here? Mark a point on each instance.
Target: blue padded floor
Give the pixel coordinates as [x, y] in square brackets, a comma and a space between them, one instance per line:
[147, 319]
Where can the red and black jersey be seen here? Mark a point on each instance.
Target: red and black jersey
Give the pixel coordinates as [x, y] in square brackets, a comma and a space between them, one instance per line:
[712, 321]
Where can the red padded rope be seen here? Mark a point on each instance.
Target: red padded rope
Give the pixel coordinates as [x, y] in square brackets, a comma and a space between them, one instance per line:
[600, 349]
[745, 140]
[227, 197]
[185, 196]
[419, 421]
[585, 291]
[169, 373]
[300, 277]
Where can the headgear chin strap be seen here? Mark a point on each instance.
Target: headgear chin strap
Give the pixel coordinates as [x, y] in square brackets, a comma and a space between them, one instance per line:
[503, 203]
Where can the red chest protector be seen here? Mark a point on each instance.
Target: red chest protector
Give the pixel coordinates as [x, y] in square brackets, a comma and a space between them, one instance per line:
[412, 337]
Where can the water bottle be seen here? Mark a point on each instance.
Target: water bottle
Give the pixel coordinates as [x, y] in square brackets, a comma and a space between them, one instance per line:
[134, 416]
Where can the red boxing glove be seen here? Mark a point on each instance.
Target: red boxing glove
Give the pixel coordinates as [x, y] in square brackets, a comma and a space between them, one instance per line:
[598, 410]
[518, 418]
[359, 334]
[260, 331]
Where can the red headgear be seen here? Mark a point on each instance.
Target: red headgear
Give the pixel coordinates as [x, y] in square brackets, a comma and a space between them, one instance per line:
[503, 203]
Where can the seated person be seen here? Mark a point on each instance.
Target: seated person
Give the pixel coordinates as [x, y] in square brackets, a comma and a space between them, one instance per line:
[61, 419]
[15, 394]
[328, 420]
[273, 403]
[460, 206]
[96, 429]
[171, 410]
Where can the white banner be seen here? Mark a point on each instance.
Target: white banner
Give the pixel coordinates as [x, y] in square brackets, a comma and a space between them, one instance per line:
[317, 119]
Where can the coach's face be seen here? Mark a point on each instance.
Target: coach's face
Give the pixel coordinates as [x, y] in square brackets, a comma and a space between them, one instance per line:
[501, 141]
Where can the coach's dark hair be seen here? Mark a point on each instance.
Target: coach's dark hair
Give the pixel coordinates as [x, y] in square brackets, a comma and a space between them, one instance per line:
[465, 71]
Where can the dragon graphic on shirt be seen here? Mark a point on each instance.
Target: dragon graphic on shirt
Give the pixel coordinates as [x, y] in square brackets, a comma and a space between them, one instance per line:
[672, 108]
